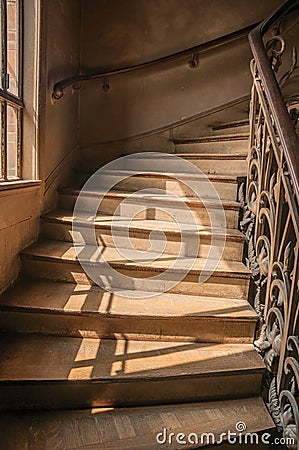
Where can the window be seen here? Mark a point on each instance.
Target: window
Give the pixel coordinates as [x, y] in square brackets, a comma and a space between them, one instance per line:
[11, 104]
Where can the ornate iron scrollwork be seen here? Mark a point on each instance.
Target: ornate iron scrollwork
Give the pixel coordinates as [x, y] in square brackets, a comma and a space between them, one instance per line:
[276, 47]
[270, 223]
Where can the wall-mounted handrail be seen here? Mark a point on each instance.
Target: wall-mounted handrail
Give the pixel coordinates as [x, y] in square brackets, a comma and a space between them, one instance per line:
[284, 126]
[60, 86]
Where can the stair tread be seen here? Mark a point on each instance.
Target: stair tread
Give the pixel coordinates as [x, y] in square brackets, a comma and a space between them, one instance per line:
[211, 138]
[104, 427]
[143, 225]
[43, 296]
[65, 251]
[151, 174]
[155, 197]
[220, 156]
[193, 155]
[241, 123]
[44, 358]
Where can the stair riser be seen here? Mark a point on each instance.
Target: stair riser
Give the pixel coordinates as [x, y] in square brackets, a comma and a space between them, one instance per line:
[230, 287]
[187, 329]
[225, 190]
[233, 249]
[236, 166]
[199, 214]
[76, 394]
[217, 129]
[229, 129]
[233, 146]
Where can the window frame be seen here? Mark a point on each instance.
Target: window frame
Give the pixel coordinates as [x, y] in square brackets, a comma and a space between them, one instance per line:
[8, 98]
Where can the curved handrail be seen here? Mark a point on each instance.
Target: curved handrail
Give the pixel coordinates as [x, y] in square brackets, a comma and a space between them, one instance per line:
[283, 123]
[270, 215]
[60, 86]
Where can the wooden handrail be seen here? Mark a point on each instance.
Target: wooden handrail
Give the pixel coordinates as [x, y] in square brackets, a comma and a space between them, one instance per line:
[60, 86]
[283, 123]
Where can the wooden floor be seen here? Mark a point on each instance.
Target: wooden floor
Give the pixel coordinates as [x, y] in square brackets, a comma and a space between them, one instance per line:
[128, 429]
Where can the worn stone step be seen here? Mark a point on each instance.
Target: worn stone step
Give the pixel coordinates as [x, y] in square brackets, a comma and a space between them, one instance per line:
[58, 261]
[134, 428]
[179, 184]
[205, 212]
[67, 372]
[216, 163]
[214, 125]
[239, 126]
[211, 163]
[57, 225]
[216, 143]
[65, 309]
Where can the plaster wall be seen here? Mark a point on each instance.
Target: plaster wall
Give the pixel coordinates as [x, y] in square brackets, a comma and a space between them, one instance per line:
[60, 58]
[120, 33]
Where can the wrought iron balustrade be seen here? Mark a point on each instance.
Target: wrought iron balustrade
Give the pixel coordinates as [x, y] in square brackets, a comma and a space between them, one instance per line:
[271, 217]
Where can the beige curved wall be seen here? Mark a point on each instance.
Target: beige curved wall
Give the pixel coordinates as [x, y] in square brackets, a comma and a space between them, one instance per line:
[123, 32]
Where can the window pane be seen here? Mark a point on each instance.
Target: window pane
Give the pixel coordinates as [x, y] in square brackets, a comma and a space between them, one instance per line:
[12, 142]
[13, 45]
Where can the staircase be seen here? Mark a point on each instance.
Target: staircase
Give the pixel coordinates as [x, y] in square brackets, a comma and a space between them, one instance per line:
[116, 371]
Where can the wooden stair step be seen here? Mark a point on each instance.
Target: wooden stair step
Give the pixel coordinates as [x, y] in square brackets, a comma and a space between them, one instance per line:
[225, 185]
[157, 206]
[218, 162]
[57, 225]
[40, 306]
[143, 225]
[214, 138]
[58, 261]
[217, 143]
[131, 428]
[208, 162]
[65, 250]
[155, 197]
[68, 372]
[214, 125]
[241, 125]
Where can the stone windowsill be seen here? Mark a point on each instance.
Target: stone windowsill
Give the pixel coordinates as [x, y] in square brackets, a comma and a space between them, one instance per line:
[16, 184]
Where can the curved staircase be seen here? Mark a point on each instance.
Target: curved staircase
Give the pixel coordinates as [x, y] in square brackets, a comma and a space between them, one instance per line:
[118, 371]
